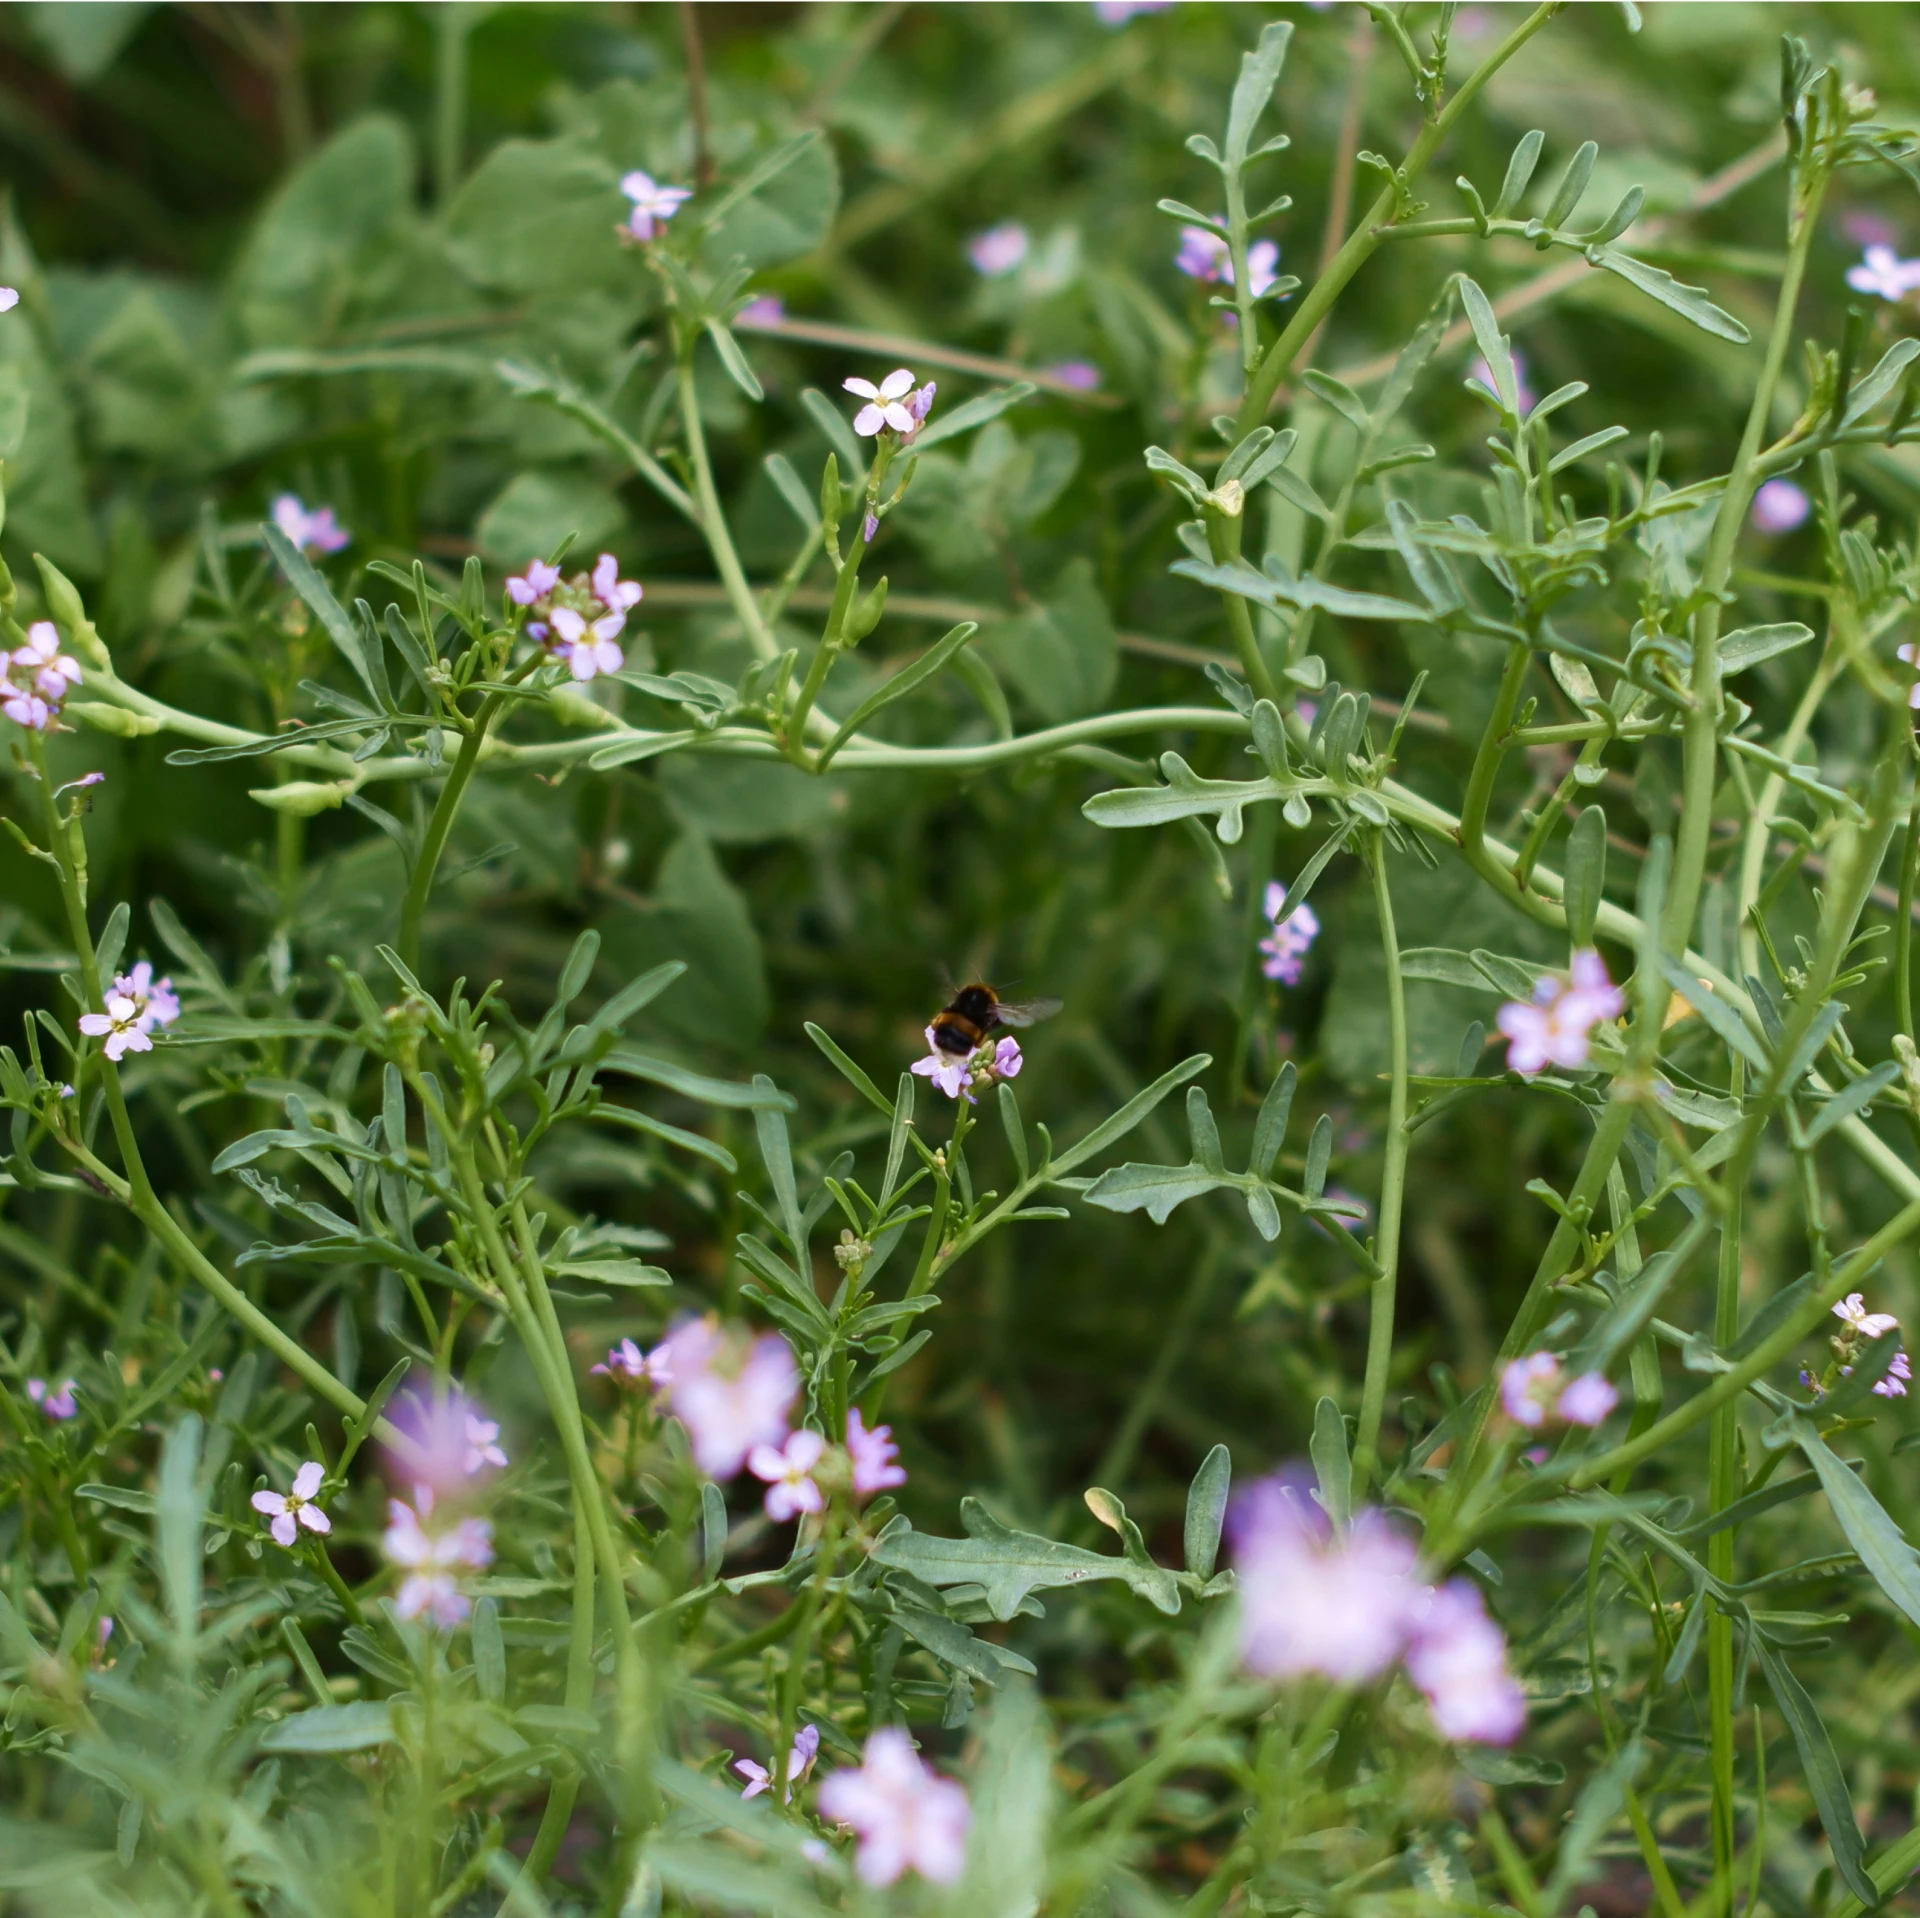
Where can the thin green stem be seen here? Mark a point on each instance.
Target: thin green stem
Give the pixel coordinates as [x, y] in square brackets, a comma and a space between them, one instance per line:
[713, 521]
[439, 825]
[1380, 1300]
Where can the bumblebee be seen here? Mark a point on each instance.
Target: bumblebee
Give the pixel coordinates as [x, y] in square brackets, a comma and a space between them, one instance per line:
[977, 1012]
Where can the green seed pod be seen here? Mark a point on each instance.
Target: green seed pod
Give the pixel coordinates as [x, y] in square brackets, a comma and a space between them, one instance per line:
[64, 602]
[303, 797]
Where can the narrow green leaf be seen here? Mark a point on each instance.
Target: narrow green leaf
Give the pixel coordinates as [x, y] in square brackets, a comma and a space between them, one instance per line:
[1331, 1466]
[1826, 1782]
[972, 413]
[902, 683]
[1270, 1128]
[1130, 1114]
[1586, 874]
[1207, 1511]
[333, 617]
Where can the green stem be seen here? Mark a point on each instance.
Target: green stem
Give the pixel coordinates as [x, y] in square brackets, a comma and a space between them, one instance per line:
[1486, 767]
[1380, 1303]
[439, 824]
[713, 522]
[579, 1697]
[453, 23]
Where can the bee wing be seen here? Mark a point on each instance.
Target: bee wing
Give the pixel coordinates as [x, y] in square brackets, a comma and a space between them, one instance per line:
[1024, 1012]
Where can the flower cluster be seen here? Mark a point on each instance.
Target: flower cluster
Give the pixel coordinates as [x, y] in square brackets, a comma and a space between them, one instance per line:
[1861, 1328]
[1203, 255]
[316, 533]
[1286, 946]
[433, 1557]
[445, 1445]
[36, 677]
[1348, 1604]
[1884, 273]
[138, 1005]
[895, 404]
[297, 1508]
[653, 205]
[1532, 1390]
[907, 1816]
[577, 620]
[54, 1400]
[806, 1748]
[1552, 1030]
[956, 1073]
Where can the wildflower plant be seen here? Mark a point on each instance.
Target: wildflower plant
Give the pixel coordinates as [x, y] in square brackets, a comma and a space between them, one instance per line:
[445, 1470]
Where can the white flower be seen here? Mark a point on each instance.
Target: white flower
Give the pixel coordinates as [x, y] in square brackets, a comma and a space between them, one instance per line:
[120, 1025]
[1885, 273]
[883, 408]
[653, 204]
[613, 592]
[1870, 1325]
[9, 298]
[295, 1508]
[51, 670]
[948, 1070]
[483, 1445]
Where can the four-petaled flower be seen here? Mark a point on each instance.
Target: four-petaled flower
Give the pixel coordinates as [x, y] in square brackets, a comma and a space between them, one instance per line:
[617, 595]
[532, 586]
[999, 250]
[627, 1361]
[27, 708]
[433, 1560]
[806, 1748]
[1852, 1310]
[121, 1025]
[1779, 506]
[1286, 946]
[294, 1509]
[313, 532]
[786, 1470]
[731, 1393]
[948, 1070]
[483, 1446]
[158, 1003]
[653, 204]
[1553, 1028]
[446, 1440]
[908, 1817]
[1205, 255]
[54, 1400]
[588, 647]
[41, 662]
[873, 1455]
[883, 406]
[1885, 273]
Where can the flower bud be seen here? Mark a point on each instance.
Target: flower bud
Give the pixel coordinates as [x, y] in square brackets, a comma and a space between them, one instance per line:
[64, 602]
[303, 797]
[122, 722]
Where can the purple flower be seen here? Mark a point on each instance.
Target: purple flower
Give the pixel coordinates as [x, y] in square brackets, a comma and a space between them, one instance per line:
[1287, 945]
[1779, 506]
[158, 1004]
[1458, 1658]
[55, 1401]
[1883, 272]
[1553, 1029]
[653, 204]
[1589, 1400]
[806, 1748]
[730, 1393]
[1116, 13]
[873, 1455]
[883, 406]
[446, 1441]
[588, 648]
[26, 708]
[870, 527]
[1894, 1384]
[1522, 392]
[314, 533]
[765, 310]
[999, 250]
[80, 785]
[908, 1817]
[617, 595]
[534, 584]
[1007, 1060]
[787, 1471]
[626, 1361]
[920, 403]
[434, 1559]
[1204, 255]
[1082, 375]
[290, 1510]
[121, 1025]
[1312, 1600]
[9, 298]
[49, 670]
[1852, 1311]
[948, 1070]
[1527, 1386]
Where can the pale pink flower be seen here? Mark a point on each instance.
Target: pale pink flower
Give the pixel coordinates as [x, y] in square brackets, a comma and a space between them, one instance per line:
[787, 1472]
[290, 1510]
[55, 1401]
[806, 1748]
[1894, 1384]
[1082, 375]
[434, 1559]
[120, 1025]
[528, 588]
[653, 204]
[907, 1816]
[873, 1454]
[1588, 1400]
[766, 309]
[589, 649]
[731, 1393]
[626, 1361]
[1312, 1600]
[9, 298]
[1869, 1325]
[1553, 1028]
[883, 406]
[316, 532]
[1779, 506]
[1007, 1059]
[948, 1070]
[1116, 13]
[1528, 1386]
[1287, 945]
[1524, 393]
[617, 595]
[50, 670]
[1203, 255]
[483, 1446]
[27, 709]
[447, 1440]
[999, 250]
[1883, 272]
[1458, 1658]
[156, 999]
